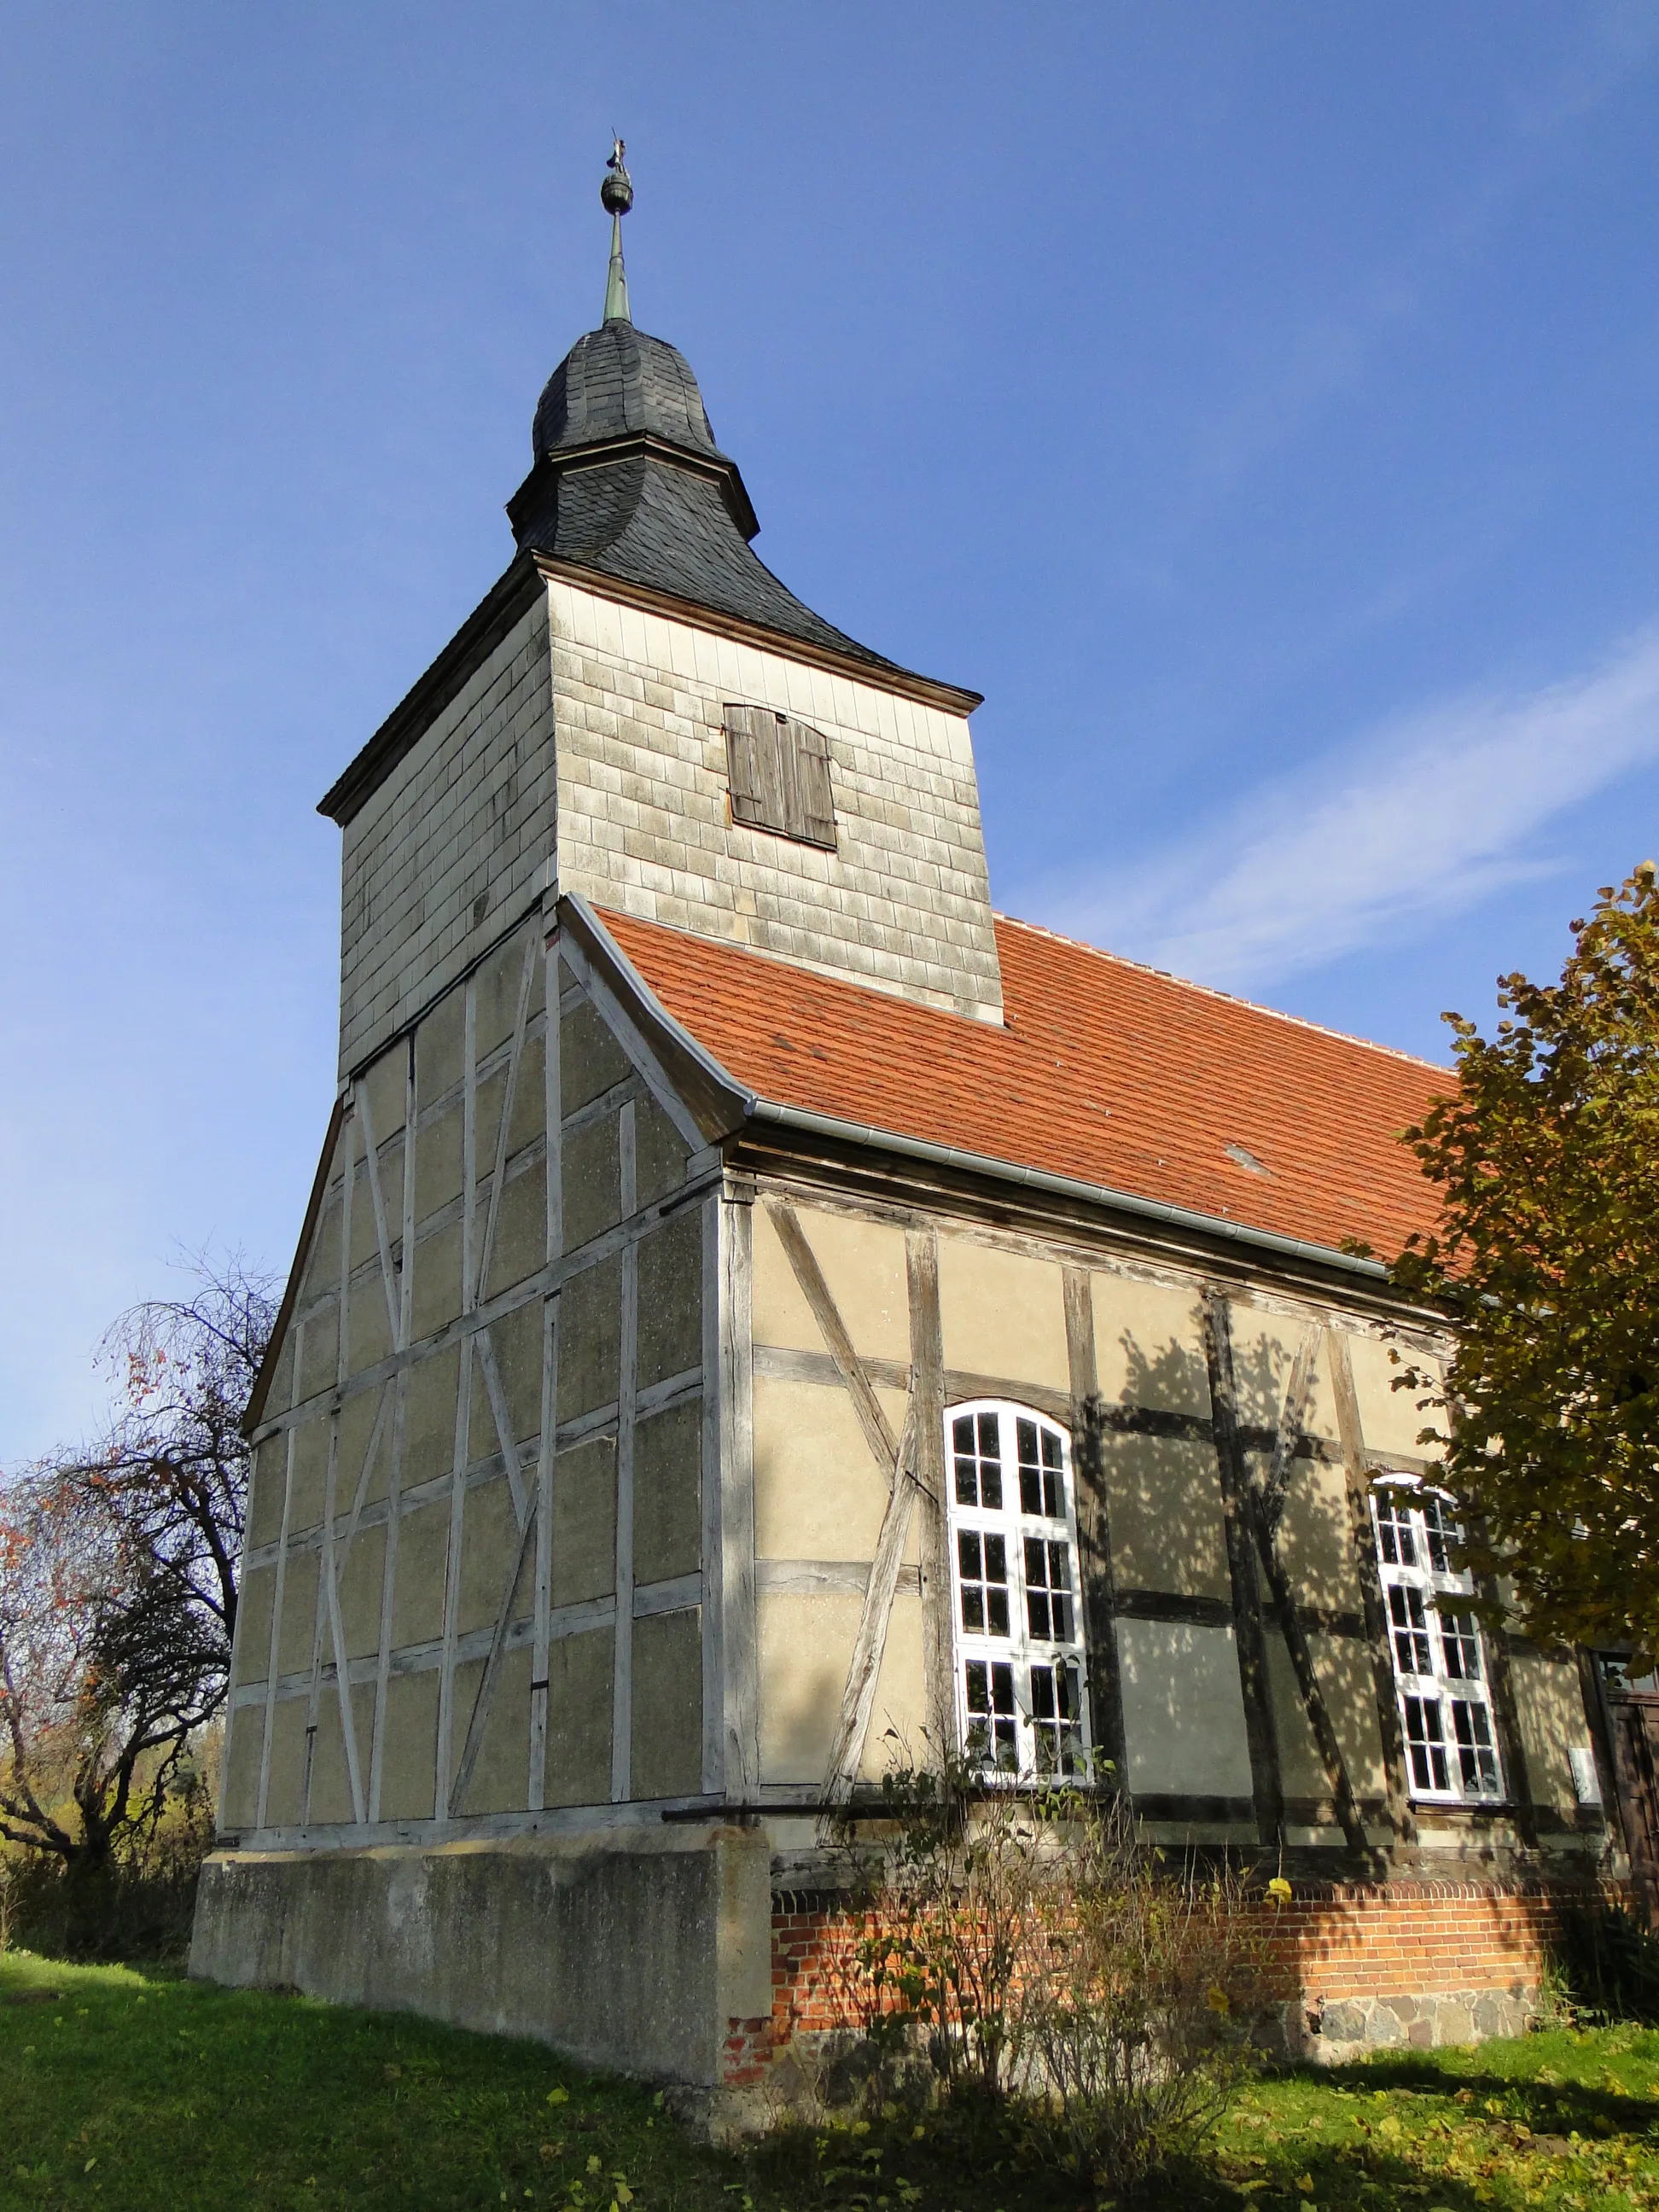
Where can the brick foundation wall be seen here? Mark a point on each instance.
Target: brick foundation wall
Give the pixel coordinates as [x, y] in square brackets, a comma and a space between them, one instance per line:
[1363, 1967]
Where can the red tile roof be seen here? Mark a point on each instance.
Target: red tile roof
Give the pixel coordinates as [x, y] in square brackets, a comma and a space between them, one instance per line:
[1107, 1072]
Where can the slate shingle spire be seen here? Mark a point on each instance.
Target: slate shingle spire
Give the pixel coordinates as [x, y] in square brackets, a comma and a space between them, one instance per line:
[626, 478]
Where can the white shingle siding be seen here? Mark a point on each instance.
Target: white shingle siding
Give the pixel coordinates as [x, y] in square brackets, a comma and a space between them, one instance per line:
[903, 902]
[468, 809]
[632, 803]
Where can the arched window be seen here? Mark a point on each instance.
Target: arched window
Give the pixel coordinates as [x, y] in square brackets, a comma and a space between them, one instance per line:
[1439, 1659]
[1021, 1684]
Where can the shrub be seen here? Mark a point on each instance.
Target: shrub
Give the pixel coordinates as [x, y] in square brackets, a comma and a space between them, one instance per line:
[1109, 1999]
[1606, 1957]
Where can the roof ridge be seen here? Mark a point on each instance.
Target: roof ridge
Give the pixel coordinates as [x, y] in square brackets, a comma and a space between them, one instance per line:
[1229, 997]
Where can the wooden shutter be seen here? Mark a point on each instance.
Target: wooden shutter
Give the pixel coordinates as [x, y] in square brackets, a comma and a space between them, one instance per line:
[751, 754]
[778, 773]
[816, 817]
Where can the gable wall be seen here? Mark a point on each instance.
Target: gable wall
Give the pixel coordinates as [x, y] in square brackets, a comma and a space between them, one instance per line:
[478, 1485]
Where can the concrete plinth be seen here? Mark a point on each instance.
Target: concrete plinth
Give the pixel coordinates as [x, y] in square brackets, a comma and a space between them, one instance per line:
[640, 1951]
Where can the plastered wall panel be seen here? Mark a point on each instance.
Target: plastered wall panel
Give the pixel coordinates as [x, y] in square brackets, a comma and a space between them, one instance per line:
[589, 1339]
[579, 1702]
[1265, 1347]
[590, 1061]
[805, 1646]
[358, 1425]
[285, 1783]
[360, 1573]
[297, 1634]
[1149, 1345]
[1390, 1418]
[1183, 1712]
[437, 1162]
[1164, 1503]
[243, 1749]
[500, 1773]
[1550, 1705]
[864, 1264]
[898, 1715]
[253, 1624]
[311, 1447]
[320, 1356]
[667, 1695]
[660, 1153]
[591, 1182]
[668, 1493]
[408, 1775]
[430, 1388]
[417, 1597]
[440, 1047]
[330, 1776]
[489, 1553]
[671, 1299]
[369, 1322]
[585, 1521]
[819, 1493]
[386, 1083]
[1314, 1539]
[516, 1339]
[779, 1313]
[437, 1299]
[529, 1119]
[520, 1246]
[270, 1479]
[1003, 1315]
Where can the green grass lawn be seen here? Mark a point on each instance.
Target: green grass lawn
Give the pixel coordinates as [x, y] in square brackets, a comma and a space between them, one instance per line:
[123, 2090]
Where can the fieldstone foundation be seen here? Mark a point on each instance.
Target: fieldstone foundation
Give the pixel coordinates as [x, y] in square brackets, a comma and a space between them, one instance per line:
[1353, 2027]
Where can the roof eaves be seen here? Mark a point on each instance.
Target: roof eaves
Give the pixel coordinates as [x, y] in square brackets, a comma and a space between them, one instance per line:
[753, 1106]
[881, 675]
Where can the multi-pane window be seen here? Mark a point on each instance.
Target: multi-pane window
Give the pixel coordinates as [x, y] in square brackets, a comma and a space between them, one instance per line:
[1021, 1699]
[1439, 1664]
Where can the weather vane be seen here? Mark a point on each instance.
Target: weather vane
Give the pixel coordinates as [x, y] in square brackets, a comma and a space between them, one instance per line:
[617, 196]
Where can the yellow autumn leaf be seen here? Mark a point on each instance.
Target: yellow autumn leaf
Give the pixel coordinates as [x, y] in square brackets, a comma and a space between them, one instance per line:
[1279, 1890]
[558, 2096]
[594, 2164]
[1304, 2182]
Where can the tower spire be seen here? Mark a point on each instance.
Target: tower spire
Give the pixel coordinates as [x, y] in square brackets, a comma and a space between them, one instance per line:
[616, 196]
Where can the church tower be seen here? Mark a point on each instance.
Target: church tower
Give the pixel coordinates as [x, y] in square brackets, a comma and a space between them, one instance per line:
[643, 715]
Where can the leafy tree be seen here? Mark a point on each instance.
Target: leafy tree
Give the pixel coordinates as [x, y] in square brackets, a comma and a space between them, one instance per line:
[118, 1589]
[1546, 1258]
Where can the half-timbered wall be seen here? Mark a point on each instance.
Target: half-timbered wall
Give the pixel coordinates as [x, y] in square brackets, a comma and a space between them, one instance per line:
[1224, 1441]
[473, 1581]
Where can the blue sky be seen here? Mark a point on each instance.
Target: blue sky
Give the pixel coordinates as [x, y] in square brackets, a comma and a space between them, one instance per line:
[1257, 404]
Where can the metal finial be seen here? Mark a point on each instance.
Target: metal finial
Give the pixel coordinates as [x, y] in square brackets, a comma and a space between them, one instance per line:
[617, 196]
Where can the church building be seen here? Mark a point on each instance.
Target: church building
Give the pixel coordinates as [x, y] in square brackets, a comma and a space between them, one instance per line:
[762, 1313]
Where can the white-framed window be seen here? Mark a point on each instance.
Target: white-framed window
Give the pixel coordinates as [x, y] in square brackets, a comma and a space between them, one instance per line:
[1435, 1641]
[1021, 1684]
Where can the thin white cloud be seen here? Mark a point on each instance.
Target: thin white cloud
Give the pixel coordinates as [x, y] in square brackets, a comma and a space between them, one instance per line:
[1424, 817]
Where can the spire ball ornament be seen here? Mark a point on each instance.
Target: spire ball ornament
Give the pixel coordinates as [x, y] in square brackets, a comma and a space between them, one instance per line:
[616, 193]
[617, 196]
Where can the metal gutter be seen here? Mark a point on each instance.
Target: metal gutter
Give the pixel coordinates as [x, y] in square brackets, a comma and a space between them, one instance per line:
[1094, 1193]
[757, 1108]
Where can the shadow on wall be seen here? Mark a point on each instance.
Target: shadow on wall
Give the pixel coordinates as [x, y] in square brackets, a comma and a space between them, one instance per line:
[1178, 1663]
